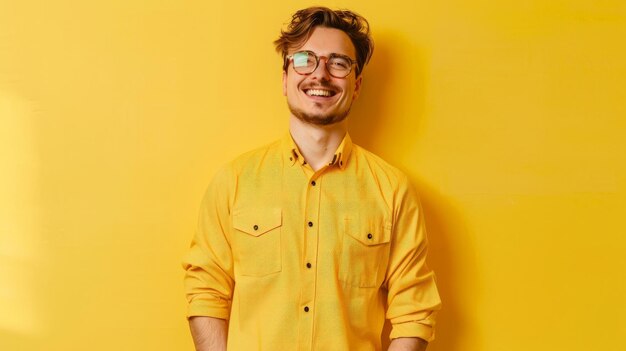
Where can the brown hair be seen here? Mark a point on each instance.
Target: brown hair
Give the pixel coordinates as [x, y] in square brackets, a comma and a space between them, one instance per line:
[304, 21]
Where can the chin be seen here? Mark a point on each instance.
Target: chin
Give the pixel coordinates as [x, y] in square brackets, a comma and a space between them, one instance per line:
[319, 119]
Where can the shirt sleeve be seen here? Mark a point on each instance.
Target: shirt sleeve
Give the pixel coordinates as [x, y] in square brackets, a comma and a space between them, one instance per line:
[208, 265]
[412, 299]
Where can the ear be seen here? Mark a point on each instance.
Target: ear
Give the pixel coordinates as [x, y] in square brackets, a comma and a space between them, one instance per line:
[357, 87]
[284, 83]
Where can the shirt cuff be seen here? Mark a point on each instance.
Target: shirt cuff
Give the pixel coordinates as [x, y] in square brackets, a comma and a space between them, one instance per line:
[209, 308]
[412, 330]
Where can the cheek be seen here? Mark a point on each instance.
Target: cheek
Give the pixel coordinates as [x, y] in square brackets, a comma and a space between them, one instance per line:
[293, 90]
[349, 93]
[292, 85]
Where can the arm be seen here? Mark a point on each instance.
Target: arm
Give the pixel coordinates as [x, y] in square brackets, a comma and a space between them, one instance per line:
[209, 334]
[408, 344]
[412, 299]
[209, 279]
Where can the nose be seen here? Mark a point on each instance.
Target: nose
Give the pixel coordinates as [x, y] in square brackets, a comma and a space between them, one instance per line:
[321, 72]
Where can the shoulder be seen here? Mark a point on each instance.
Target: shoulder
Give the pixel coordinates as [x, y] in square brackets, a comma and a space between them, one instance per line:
[383, 171]
[244, 166]
[257, 155]
[265, 156]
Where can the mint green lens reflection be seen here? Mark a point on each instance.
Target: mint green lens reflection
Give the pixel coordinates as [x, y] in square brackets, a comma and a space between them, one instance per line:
[300, 59]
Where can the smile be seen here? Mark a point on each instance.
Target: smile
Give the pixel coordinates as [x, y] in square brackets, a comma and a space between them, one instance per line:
[319, 92]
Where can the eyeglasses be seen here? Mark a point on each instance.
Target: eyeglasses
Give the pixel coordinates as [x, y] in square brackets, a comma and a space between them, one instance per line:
[306, 62]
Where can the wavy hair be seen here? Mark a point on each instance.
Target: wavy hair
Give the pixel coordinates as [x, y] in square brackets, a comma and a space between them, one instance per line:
[304, 21]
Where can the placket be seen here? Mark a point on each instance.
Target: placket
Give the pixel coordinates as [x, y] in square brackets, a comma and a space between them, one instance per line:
[309, 265]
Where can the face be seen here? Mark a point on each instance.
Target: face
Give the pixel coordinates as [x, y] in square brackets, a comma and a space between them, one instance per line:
[332, 104]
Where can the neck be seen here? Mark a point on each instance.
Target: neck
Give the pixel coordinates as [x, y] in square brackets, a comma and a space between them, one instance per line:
[317, 143]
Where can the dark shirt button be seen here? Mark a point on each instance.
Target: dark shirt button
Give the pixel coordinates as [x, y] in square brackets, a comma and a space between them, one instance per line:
[310, 224]
[308, 265]
[290, 158]
[313, 183]
[306, 309]
[256, 227]
[369, 236]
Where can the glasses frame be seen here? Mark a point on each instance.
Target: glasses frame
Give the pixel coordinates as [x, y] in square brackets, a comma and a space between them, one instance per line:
[289, 59]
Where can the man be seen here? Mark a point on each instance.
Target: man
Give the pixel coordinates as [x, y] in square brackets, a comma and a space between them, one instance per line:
[309, 243]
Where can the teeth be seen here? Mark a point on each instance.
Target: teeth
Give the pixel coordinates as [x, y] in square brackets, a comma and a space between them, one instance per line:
[318, 92]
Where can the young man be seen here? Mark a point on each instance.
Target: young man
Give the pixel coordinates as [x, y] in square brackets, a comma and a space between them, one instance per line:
[309, 243]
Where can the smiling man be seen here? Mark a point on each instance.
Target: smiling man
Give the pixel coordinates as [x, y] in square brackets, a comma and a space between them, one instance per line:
[311, 242]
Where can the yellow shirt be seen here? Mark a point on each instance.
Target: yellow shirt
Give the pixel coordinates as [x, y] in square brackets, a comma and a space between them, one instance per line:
[304, 260]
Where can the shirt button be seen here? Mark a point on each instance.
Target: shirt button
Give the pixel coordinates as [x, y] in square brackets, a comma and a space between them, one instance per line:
[306, 309]
[308, 265]
[256, 227]
[310, 224]
[313, 183]
[369, 236]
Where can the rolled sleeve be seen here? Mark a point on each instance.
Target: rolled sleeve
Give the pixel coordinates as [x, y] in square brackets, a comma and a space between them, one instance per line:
[208, 265]
[412, 299]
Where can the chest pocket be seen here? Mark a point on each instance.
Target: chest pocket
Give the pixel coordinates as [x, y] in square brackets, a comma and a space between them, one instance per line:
[365, 252]
[257, 241]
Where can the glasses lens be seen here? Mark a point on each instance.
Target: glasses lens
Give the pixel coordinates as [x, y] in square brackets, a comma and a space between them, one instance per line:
[304, 62]
[339, 66]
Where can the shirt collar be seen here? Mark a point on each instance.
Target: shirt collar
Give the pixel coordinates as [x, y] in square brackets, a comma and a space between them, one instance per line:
[340, 157]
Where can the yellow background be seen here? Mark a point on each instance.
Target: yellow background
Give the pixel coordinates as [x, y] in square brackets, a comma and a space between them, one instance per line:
[509, 116]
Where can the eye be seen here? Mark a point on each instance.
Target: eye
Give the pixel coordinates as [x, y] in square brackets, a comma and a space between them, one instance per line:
[339, 63]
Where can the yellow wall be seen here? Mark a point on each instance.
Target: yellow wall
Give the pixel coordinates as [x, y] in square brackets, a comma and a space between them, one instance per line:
[508, 115]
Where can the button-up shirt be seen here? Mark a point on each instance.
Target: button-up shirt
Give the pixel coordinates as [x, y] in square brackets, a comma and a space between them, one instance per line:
[298, 259]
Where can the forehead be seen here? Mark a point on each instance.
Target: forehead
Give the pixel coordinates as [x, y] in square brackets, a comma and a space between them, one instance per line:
[324, 41]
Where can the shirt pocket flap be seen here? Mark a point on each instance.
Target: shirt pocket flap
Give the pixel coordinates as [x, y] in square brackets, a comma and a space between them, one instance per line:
[369, 233]
[258, 221]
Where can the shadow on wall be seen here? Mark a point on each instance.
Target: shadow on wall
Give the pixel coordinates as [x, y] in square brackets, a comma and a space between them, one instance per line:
[390, 108]
[444, 223]
[367, 115]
